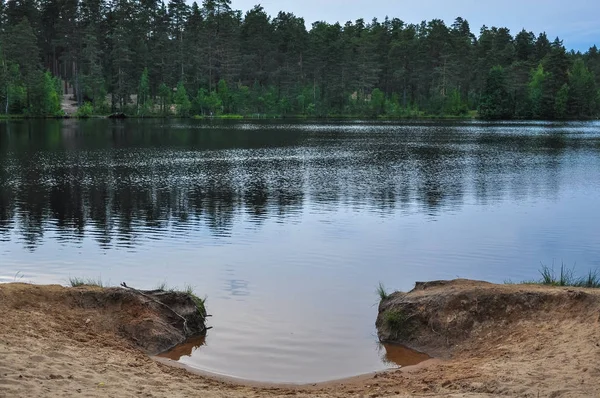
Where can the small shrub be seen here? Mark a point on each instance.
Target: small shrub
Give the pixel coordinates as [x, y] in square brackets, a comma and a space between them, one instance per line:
[86, 110]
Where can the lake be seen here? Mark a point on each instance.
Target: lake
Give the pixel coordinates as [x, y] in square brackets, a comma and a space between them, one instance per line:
[288, 227]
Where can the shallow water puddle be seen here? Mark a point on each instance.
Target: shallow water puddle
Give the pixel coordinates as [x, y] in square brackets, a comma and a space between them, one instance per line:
[185, 349]
[403, 356]
[393, 355]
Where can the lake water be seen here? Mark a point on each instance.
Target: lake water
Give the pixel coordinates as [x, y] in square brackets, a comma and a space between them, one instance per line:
[288, 228]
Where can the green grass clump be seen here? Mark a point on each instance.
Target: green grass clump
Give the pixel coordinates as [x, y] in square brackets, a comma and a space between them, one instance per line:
[189, 290]
[383, 294]
[591, 280]
[77, 282]
[566, 277]
[549, 277]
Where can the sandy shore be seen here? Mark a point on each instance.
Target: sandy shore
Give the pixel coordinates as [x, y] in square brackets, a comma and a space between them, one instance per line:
[51, 348]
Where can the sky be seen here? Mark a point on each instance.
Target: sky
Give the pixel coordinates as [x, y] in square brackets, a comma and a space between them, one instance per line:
[575, 21]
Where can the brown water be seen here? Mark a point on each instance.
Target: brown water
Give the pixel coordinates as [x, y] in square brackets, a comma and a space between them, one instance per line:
[391, 354]
[288, 228]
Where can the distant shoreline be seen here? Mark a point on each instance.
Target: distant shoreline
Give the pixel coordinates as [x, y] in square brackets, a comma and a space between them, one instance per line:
[298, 118]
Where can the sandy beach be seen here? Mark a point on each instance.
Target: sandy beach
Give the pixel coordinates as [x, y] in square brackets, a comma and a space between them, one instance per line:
[51, 348]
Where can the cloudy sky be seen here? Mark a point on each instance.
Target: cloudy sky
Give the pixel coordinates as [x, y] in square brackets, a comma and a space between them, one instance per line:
[576, 21]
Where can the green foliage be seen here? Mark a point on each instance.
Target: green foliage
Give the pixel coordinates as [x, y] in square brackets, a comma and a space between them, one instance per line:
[44, 97]
[539, 96]
[259, 65]
[377, 103]
[86, 110]
[560, 102]
[454, 105]
[224, 96]
[182, 102]
[143, 98]
[207, 104]
[92, 87]
[495, 100]
[164, 94]
[14, 92]
[582, 99]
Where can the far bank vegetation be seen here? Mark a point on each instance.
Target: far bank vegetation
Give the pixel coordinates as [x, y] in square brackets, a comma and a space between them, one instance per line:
[155, 59]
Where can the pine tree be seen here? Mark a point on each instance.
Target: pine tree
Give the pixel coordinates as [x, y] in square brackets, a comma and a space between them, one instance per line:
[143, 94]
[178, 15]
[495, 100]
[582, 91]
[92, 84]
[181, 100]
[540, 96]
[44, 97]
[164, 93]
[22, 50]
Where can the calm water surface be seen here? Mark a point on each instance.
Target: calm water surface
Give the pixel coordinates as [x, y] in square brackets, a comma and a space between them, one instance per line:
[288, 228]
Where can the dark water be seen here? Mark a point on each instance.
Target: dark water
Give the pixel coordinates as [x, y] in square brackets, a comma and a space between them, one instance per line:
[288, 228]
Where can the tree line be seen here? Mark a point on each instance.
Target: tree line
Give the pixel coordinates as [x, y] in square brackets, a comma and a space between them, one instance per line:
[145, 57]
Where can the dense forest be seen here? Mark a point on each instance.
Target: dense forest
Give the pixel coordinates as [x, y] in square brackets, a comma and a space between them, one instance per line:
[145, 57]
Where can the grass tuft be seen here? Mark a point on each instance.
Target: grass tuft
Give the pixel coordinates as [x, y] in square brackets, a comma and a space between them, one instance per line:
[189, 290]
[77, 282]
[165, 288]
[383, 294]
[592, 280]
[566, 277]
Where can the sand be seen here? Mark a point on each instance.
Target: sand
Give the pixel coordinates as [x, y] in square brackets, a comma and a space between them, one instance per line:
[50, 348]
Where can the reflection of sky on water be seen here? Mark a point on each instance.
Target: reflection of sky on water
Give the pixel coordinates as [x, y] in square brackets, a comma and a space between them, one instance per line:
[237, 287]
